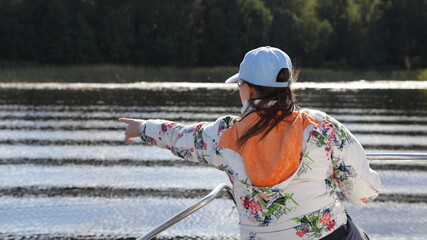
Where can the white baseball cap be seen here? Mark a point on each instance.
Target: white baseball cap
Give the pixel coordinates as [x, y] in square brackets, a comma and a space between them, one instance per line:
[261, 66]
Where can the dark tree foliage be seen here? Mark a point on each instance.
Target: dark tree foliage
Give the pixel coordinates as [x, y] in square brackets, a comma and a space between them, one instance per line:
[165, 32]
[404, 26]
[113, 29]
[218, 27]
[328, 33]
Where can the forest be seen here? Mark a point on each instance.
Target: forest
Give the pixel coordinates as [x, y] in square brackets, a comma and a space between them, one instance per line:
[333, 34]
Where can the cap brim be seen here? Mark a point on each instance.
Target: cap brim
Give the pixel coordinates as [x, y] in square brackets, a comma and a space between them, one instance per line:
[233, 78]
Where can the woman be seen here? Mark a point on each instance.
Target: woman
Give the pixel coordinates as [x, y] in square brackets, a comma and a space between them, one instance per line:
[285, 163]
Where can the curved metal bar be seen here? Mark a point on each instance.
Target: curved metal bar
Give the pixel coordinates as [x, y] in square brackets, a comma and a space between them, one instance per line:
[181, 215]
[397, 156]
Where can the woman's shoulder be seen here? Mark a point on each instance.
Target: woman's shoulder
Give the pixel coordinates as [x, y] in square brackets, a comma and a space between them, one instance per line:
[323, 119]
[317, 114]
[221, 124]
[320, 116]
[228, 120]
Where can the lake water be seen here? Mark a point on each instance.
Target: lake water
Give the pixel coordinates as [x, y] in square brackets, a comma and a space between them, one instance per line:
[65, 171]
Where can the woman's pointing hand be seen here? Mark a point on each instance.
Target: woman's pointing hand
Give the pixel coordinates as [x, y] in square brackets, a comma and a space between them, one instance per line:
[132, 129]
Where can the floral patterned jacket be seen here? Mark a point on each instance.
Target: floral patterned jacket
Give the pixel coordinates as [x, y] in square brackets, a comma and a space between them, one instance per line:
[284, 189]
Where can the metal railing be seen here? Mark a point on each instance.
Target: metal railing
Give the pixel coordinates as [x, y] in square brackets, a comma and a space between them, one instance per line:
[186, 212]
[218, 189]
[397, 156]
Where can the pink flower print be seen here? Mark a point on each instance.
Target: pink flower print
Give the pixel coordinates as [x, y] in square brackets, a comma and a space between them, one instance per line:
[326, 219]
[180, 135]
[252, 205]
[245, 202]
[334, 132]
[197, 128]
[300, 233]
[222, 127]
[264, 196]
[191, 149]
[255, 206]
[331, 225]
[204, 145]
[164, 128]
[325, 125]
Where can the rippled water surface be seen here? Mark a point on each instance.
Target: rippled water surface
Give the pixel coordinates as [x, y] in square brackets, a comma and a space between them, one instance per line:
[65, 171]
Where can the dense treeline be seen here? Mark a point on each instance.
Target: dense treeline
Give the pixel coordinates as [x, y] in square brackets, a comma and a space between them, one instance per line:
[327, 33]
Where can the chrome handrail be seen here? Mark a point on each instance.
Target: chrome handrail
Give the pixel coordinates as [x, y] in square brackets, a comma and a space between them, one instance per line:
[397, 156]
[184, 213]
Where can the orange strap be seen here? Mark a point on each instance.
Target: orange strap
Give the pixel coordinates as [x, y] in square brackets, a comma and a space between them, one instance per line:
[274, 158]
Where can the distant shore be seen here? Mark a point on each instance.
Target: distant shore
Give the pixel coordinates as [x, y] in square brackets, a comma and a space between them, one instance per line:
[128, 74]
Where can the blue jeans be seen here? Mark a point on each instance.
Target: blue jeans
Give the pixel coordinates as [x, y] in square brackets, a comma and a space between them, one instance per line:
[354, 232]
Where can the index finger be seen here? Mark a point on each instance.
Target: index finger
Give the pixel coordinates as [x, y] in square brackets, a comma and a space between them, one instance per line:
[125, 120]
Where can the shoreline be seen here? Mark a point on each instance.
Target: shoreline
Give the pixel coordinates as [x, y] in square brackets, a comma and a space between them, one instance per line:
[185, 86]
[108, 73]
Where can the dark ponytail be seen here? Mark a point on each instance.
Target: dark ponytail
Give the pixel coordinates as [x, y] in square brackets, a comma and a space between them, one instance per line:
[271, 114]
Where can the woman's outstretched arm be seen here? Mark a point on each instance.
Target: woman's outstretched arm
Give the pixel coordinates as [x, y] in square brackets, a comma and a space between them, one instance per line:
[197, 142]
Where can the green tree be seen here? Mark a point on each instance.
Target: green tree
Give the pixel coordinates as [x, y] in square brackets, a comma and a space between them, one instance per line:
[114, 30]
[309, 34]
[55, 38]
[8, 30]
[403, 29]
[281, 34]
[165, 32]
[327, 33]
[17, 31]
[219, 33]
[229, 28]
[341, 14]
[256, 23]
[84, 49]
[364, 35]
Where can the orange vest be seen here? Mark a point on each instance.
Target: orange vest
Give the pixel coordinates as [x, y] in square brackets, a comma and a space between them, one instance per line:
[274, 158]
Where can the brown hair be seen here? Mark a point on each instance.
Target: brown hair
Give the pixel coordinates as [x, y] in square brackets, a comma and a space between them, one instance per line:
[271, 114]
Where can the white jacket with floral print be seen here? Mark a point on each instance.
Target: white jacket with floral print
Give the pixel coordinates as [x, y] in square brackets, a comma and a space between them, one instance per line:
[304, 205]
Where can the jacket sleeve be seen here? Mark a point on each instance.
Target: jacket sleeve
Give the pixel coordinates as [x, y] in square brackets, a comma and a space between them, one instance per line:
[197, 142]
[358, 183]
